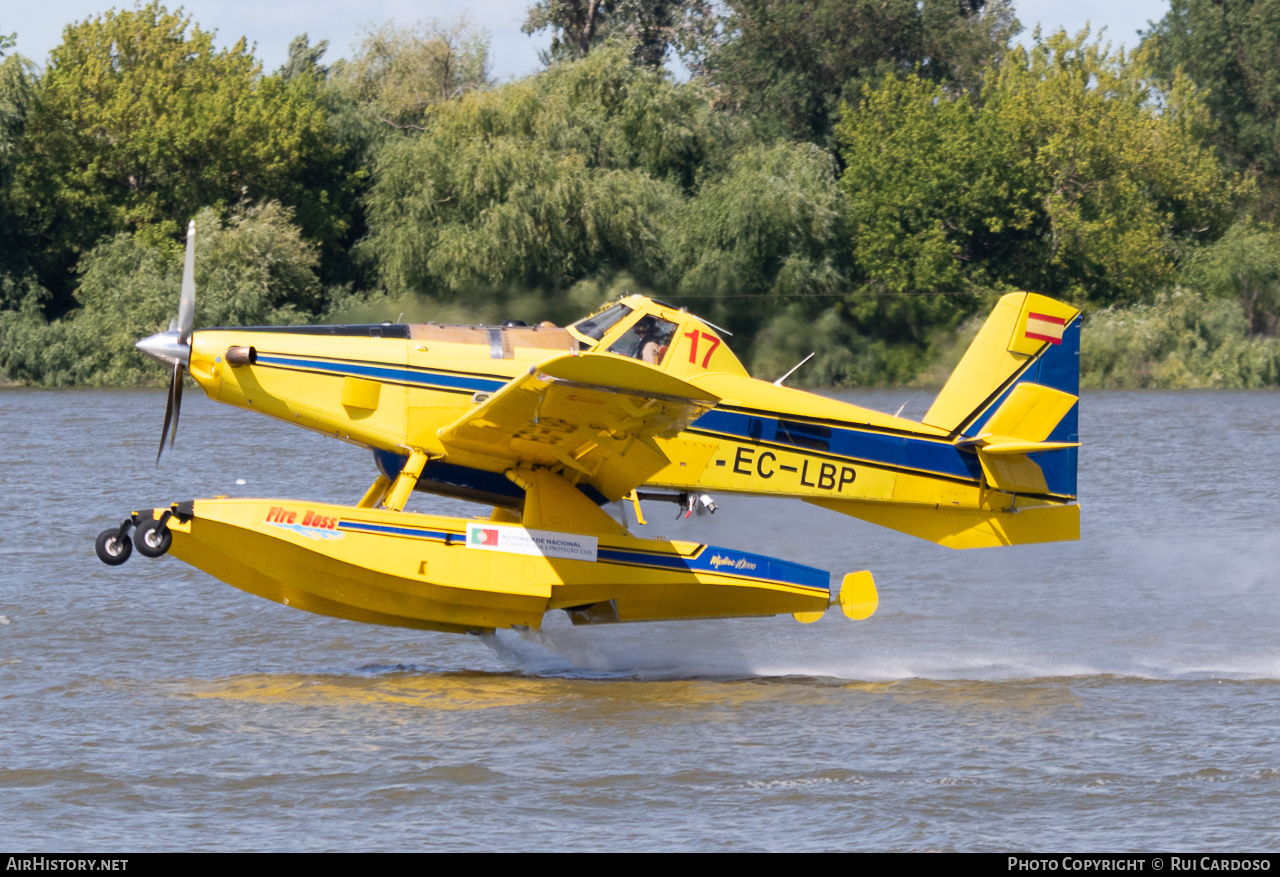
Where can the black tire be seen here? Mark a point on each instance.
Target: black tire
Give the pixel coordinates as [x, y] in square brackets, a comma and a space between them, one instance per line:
[151, 539]
[112, 548]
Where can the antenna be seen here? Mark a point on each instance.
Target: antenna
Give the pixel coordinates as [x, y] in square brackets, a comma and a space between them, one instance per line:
[723, 331]
[794, 368]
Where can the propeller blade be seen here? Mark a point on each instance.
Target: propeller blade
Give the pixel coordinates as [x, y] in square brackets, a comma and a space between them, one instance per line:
[168, 411]
[173, 348]
[187, 303]
[172, 410]
[177, 401]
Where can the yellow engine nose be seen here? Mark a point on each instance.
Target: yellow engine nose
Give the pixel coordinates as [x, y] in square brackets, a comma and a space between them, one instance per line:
[207, 362]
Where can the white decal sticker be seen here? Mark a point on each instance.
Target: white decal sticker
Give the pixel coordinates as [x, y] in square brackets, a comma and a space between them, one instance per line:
[536, 543]
[719, 560]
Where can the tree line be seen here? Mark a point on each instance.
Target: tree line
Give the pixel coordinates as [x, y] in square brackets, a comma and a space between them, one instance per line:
[859, 178]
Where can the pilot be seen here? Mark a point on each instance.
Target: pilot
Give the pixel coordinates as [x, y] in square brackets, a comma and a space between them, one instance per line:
[652, 349]
[647, 340]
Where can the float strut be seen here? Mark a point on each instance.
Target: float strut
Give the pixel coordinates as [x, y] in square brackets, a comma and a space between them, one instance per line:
[405, 481]
[375, 493]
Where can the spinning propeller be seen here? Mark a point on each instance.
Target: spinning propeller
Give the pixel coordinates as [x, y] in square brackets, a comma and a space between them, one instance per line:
[172, 349]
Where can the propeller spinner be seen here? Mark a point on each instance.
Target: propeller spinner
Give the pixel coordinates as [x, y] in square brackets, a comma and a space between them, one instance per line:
[172, 349]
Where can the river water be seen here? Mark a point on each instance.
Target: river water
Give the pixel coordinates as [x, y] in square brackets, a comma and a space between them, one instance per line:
[1119, 693]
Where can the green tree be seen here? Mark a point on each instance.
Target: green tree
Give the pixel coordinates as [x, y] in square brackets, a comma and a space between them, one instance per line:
[785, 64]
[253, 268]
[15, 102]
[304, 59]
[15, 89]
[1244, 264]
[1231, 50]
[652, 28]
[139, 121]
[540, 182]
[765, 233]
[398, 74]
[1073, 177]
[924, 187]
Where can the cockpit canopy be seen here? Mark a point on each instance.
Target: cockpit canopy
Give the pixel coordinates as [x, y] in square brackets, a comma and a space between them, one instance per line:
[659, 334]
[596, 325]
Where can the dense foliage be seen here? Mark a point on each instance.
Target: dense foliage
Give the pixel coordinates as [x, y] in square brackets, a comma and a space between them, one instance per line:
[139, 121]
[857, 179]
[1069, 177]
[1231, 51]
[787, 64]
[254, 269]
[540, 182]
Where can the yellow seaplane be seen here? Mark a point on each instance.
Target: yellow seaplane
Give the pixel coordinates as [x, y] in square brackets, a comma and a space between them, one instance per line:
[640, 401]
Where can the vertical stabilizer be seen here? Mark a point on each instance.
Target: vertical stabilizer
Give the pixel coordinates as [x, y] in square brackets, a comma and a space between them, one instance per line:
[1028, 337]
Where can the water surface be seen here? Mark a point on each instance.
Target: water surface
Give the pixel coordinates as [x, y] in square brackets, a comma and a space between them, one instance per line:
[1116, 693]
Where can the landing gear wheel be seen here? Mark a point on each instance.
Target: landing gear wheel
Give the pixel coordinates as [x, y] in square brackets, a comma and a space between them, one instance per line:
[112, 548]
[153, 540]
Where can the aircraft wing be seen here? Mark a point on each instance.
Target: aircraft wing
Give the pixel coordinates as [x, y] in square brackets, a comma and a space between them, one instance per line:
[594, 416]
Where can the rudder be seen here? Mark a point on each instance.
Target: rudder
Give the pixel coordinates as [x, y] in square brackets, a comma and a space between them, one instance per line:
[1030, 342]
[1021, 331]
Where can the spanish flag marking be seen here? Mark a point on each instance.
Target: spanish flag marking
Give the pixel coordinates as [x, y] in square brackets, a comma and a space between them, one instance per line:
[1042, 327]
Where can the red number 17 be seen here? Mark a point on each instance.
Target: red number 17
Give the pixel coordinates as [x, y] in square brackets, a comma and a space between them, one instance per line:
[693, 346]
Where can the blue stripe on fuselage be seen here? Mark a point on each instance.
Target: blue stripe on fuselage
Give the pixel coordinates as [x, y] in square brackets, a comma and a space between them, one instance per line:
[391, 530]
[390, 373]
[1057, 367]
[858, 445]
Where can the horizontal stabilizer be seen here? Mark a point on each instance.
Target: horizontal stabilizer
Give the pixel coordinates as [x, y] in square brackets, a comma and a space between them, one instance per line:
[1013, 472]
[1030, 412]
[1019, 427]
[1004, 446]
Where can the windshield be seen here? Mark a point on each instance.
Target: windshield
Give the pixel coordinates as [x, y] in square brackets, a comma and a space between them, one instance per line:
[647, 340]
[596, 326]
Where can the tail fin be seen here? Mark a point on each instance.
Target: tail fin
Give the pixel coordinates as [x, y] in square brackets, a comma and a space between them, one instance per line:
[1013, 397]
[1013, 403]
[1027, 338]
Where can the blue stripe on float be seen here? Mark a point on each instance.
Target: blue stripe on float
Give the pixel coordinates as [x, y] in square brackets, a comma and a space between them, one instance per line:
[389, 530]
[723, 561]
